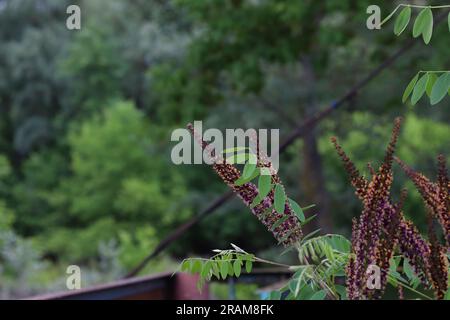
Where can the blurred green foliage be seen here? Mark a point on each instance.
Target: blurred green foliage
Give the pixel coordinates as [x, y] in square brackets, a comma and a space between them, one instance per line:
[241, 291]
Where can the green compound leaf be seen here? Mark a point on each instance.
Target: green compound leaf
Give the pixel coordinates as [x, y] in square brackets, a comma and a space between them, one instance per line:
[402, 21]
[410, 88]
[419, 89]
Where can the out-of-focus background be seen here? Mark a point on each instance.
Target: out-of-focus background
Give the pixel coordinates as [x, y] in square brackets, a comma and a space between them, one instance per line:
[86, 117]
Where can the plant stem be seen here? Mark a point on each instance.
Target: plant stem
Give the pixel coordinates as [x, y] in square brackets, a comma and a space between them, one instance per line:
[271, 262]
[434, 71]
[424, 7]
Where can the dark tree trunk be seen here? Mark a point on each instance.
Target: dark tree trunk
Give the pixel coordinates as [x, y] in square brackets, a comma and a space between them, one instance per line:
[312, 179]
[313, 185]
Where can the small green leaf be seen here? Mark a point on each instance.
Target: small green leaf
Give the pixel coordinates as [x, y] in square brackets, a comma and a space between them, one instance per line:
[241, 181]
[428, 28]
[419, 89]
[402, 20]
[319, 295]
[248, 174]
[249, 169]
[257, 200]
[297, 209]
[408, 270]
[186, 266]
[264, 185]
[440, 88]
[415, 282]
[196, 266]
[206, 270]
[215, 270]
[432, 77]
[248, 257]
[394, 262]
[224, 269]
[280, 199]
[421, 22]
[237, 268]
[410, 88]
[230, 269]
[248, 266]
